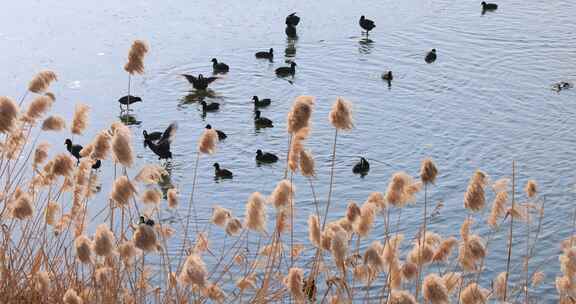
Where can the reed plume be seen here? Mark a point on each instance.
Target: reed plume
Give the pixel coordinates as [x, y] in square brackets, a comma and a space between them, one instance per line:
[135, 64]
[8, 114]
[101, 146]
[172, 195]
[401, 190]
[63, 165]
[500, 286]
[409, 271]
[122, 148]
[41, 81]
[42, 280]
[498, 208]
[248, 282]
[341, 114]
[372, 257]
[220, 216]
[444, 251]
[339, 247]
[103, 241]
[207, 142]
[364, 225]
[80, 119]
[307, 167]
[40, 154]
[451, 281]
[421, 254]
[428, 171]
[145, 238]
[294, 283]
[234, 226]
[151, 174]
[531, 188]
[537, 278]
[193, 272]
[296, 147]
[83, 247]
[54, 123]
[214, 293]
[377, 199]
[401, 297]
[353, 212]
[151, 196]
[282, 195]
[127, 251]
[434, 291]
[475, 199]
[314, 232]
[255, 218]
[122, 191]
[23, 207]
[473, 294]
[51, 213]
[300, 114]
[71, 297]
[38, 107]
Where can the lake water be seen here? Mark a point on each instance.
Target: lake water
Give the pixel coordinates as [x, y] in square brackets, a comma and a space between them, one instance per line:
[485, 102]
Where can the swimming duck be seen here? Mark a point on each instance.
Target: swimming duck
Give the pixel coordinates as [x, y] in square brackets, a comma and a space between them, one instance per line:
[209, 107]
[286, 71]
[262, 122]
[153, 136]
[73, 149]
[162, 146]
[259, 103]
[200, 82]
[219, 67]
[488, 6]
[387, 76]
[221, 135]
[292, 19]
[267, 157]
[361, 167]
[366, 24]
[431, 56]
[221, 173]
[265, 55]
[128, 100]
[291, 32]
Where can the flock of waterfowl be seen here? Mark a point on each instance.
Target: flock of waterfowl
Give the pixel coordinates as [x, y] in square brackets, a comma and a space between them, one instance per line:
[159, 142]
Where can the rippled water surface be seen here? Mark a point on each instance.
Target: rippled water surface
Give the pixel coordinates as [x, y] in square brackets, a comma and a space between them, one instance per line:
[486, 101]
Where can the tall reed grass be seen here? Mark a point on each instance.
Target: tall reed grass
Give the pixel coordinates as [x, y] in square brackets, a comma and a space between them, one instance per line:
[47, 254]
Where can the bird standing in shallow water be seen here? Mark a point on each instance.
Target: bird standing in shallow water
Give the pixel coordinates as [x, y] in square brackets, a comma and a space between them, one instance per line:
[262, 122]
[362, 167]
[366, 24]
[162, 147]
[267, 157]
[292, 19]
[221, 135]
[265, 55]
[431, 56]
[200, 82]
[487, 7]
[128, 100]
[286, 71]
[260, 103]
[388, 77]
[221, 173]
[219, 67]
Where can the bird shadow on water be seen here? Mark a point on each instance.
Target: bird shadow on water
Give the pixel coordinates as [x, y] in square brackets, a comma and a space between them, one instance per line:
[197, 95]
[365, 45]
[290, 50]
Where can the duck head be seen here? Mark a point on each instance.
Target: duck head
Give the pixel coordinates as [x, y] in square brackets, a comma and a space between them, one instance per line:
[259, 152]
[433, 51]
[214, 61]
[362, 18]
[216, 166]
[203, 104]
[208, 126]
[483, 3]
[68, 142]
[142, 220]
[255, 98]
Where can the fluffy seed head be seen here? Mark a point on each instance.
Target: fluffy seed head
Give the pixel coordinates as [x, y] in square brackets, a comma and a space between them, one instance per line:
[135, 64]
[23, 206]
[52, 210]
[234, 226]
[299, 115]
[172, 198]
[307, 167]
[475, 199]
[54, 123]
[428, 171]
[282, 195]
[122, 147]
[500, 286]
[127, 250]
[8, 114]
[101, 145]
[339, 247]
[401, 297]
[71, 297]
[421, 254]
[434, 290]
[103, 240]
[63, 165]
[444, 251]
[314, 233]
[353, 212]
[145, 238]
[220, 216]
[341, 114]
[80, 119]
[255, 218]
[83, 247]
[122, 191]
[401, 189]
[194, 271]
[207, 142]
[452, 280]
[294, 283]
[38, 107]
[498, 208]
[151, 196]
[151, 174]
[531, 188]
[41, 81]
[372, 257]
[409, 271]
[473, 294]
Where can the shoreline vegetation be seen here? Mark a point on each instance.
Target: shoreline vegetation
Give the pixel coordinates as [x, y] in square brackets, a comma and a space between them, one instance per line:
[47, 255]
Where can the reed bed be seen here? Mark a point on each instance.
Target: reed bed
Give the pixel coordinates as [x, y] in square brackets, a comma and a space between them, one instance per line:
[48, 255]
